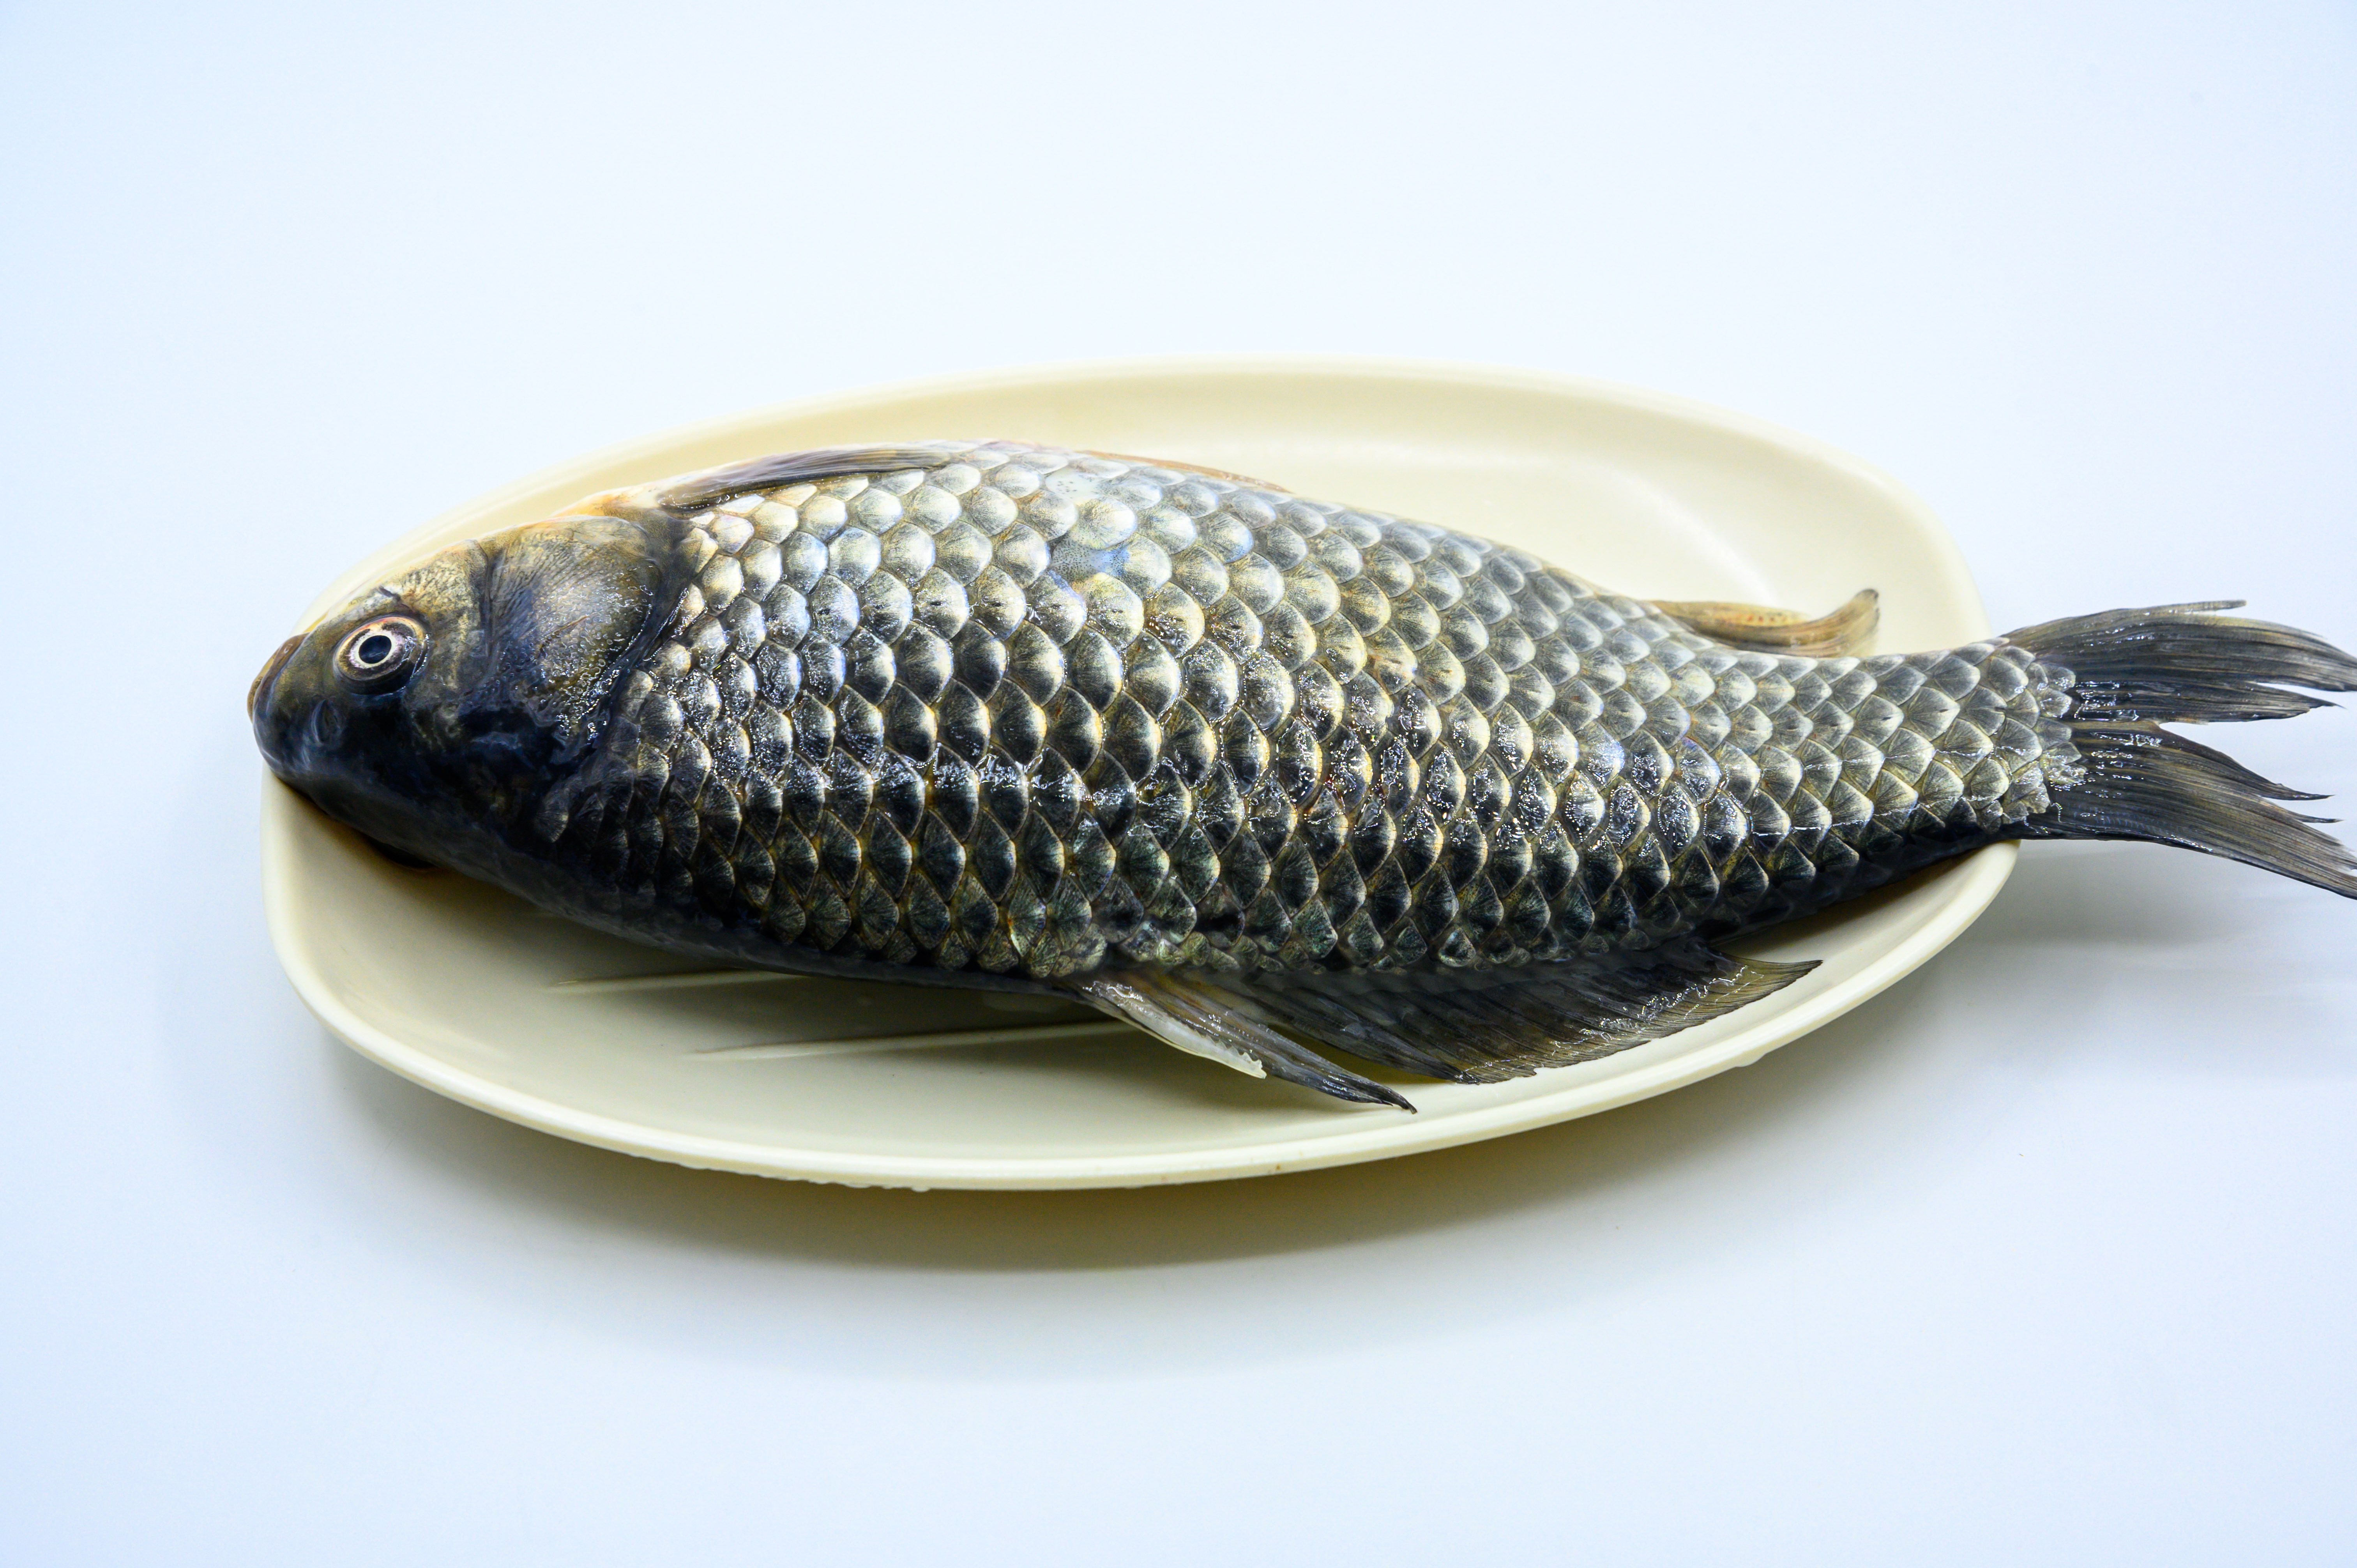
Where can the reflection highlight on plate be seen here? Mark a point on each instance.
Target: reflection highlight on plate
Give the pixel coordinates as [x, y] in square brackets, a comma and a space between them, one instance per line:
[1021, 1034]
[674, 979]
[774, 1050]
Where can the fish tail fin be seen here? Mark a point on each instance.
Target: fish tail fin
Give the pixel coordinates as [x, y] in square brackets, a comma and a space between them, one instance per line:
[2128, 672]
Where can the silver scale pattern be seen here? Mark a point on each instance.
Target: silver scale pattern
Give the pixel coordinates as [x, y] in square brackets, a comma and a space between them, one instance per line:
[1033, 711]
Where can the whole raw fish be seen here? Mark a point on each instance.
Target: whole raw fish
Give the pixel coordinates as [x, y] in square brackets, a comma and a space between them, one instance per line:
[1250, 770]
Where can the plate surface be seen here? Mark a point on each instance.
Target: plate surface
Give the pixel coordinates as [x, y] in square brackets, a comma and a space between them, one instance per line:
[472, 993]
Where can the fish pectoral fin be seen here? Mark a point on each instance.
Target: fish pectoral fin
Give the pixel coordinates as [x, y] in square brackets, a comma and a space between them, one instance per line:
[1206, 1021]
[1486, 1027]
[1764, 631]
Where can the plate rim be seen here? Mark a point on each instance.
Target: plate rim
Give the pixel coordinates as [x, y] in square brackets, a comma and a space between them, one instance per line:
[1977, 878]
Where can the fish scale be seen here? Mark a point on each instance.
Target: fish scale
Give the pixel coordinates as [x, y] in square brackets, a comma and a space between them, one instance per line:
[1031, 708]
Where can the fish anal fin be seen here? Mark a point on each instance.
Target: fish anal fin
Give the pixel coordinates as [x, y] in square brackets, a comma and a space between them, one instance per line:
[1761, 629]
[1486, 1027]
[1204, 1021]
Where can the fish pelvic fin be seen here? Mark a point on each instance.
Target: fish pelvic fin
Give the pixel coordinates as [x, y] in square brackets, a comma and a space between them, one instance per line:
[1204, 1020]
[1464, 1025]
[1489, 1025]
[2127, 671]
[1760, 630]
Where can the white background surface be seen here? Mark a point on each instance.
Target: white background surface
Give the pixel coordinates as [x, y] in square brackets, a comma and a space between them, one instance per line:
[2043, 1256]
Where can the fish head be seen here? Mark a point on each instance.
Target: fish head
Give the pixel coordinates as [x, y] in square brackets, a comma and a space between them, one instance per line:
[432, 711]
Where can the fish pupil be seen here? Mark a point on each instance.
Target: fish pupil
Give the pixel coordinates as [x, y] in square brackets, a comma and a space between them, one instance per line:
[375, 648]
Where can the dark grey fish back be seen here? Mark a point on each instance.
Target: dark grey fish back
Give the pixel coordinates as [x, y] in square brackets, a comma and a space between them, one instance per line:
[1029, 710]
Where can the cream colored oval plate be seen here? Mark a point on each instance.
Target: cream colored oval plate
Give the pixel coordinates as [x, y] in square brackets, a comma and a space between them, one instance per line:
[474, 994]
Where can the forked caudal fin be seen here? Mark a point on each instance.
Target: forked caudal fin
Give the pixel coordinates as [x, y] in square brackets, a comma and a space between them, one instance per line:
[2132, 669]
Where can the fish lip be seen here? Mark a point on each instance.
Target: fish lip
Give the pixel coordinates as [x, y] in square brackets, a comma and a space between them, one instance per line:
[270, 669]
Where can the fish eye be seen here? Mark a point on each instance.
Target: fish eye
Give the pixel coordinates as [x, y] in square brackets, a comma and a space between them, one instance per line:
[381, 654]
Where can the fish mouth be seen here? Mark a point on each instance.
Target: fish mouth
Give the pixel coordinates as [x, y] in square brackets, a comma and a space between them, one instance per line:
[270, 669]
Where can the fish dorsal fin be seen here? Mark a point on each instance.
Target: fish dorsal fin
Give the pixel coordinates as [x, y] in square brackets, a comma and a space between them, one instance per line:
[1189, 468]
[710, 487]
[1466, 1026]
[693, 492]
[1764, 631]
